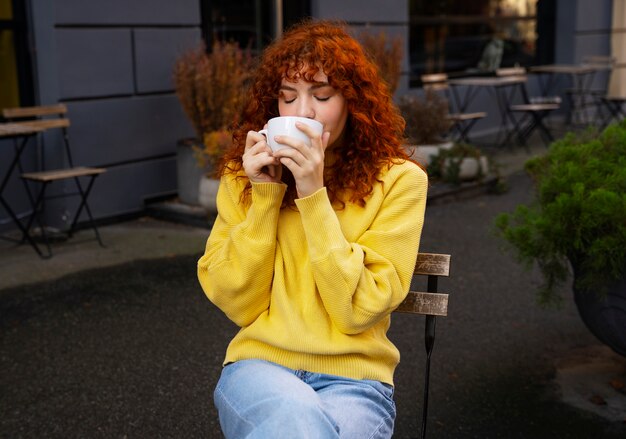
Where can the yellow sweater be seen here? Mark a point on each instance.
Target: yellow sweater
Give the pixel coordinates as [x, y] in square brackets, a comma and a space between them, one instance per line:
[312, 288]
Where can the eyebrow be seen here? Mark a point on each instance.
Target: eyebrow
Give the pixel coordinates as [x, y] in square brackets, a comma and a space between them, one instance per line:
[315, 86]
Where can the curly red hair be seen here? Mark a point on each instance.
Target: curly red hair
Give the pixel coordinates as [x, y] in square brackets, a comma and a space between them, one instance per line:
[374, 127]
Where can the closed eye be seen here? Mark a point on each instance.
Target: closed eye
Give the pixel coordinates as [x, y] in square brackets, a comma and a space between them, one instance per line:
[288, 97]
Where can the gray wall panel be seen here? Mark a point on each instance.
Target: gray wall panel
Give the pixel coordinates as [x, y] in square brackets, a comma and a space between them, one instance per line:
[128, 12]
[94, 62]
[594, 15]
[119, 191]
[594, 44]
[118, 130]
[156, 51]
[362, 10]
[564, 50]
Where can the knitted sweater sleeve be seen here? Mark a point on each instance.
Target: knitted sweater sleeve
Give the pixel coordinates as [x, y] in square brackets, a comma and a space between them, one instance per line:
[238, 264]
[363, 281]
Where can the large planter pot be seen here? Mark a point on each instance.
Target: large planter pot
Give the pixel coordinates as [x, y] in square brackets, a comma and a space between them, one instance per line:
[605, 316]
[425, 153]
[207, 192]
[188, 172]
[470, 168]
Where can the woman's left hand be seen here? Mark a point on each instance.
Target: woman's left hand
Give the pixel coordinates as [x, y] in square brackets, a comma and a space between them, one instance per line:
[305, 163]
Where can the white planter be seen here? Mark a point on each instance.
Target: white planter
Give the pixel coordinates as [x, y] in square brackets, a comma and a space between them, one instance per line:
[470, 168]
[425, 153]
[207, 193]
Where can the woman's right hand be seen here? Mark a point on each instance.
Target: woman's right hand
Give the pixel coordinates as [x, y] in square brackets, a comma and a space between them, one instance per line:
[258, 162]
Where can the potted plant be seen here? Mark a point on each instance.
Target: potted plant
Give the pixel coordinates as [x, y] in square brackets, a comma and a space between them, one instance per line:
[210, 87]
[577, 226]
[427, 124]
[462, 162]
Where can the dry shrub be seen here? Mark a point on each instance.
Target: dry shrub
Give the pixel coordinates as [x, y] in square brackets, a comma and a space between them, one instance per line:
[211, 86]
[386, 53]
[426, 117]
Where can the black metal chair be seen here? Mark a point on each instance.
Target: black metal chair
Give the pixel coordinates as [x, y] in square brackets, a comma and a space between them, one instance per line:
[37, 117]
[462, 122]
[431, 304]
[532, 110]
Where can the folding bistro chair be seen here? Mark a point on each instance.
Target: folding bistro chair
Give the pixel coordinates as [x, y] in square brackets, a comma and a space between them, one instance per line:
[38, 117]
[533, 110]
[462, 122]
[430, 304]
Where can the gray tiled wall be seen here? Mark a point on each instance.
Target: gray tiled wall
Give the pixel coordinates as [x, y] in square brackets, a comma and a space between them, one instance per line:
[111, 63]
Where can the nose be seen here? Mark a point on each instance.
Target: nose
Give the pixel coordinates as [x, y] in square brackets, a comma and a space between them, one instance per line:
[305, 108]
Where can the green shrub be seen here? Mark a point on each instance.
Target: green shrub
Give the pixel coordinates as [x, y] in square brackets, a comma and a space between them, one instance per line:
[578, 217]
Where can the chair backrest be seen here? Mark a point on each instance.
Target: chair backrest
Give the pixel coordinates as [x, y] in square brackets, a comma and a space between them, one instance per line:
[511, 71]
[45, 117]
[431, 302]
[32, 112]
[435, 81]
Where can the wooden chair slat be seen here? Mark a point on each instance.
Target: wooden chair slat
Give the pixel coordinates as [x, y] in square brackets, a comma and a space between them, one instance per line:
[511, 71]
[435, 304]
[432, 264]
[60, 174]
[534, 107]
[12, 129]
[46, 123]
[43, 110]
[467, 116]
[434, 77]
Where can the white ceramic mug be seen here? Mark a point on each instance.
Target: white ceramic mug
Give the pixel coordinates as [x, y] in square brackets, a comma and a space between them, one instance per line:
[286, 126]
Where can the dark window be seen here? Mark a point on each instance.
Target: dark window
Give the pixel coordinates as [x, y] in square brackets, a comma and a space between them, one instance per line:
[15, 73]
[461, 37]
[249, 22]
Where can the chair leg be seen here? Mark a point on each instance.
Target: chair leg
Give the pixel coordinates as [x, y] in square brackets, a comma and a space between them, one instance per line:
[520, 126]
[464, 130]
[83, 203]
[546, 134]
[35, 217]
[429, 338]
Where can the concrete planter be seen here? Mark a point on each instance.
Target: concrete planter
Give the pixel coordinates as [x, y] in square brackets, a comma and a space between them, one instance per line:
[425, 153]
[207, 192]
[188, 172]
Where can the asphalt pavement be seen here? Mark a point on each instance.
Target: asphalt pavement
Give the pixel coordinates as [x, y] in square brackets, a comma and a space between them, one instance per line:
[121, 342]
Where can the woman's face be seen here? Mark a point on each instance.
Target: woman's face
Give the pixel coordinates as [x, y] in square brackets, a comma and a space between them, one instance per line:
[315, 100]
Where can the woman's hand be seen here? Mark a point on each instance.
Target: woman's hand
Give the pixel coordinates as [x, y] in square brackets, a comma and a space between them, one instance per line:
[258, 162]
[305, 163]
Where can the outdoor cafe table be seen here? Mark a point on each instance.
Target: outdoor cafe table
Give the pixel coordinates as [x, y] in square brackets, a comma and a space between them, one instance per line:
[580, 77]
[502, 89]
[20, 133]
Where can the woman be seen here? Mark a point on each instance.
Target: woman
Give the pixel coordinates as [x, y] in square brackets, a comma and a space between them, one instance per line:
[314, 247]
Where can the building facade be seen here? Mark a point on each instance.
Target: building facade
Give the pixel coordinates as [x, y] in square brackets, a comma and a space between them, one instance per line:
[111, 64]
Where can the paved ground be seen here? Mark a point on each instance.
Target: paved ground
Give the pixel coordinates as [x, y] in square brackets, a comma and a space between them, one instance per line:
[120, 342]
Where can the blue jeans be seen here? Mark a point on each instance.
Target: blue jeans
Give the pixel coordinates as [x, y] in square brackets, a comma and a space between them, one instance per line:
[259, 399]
